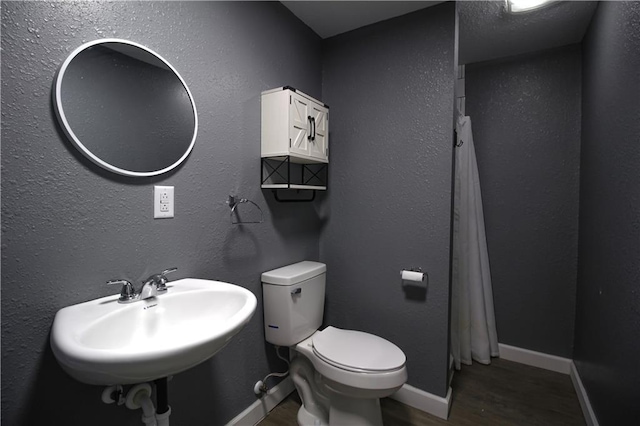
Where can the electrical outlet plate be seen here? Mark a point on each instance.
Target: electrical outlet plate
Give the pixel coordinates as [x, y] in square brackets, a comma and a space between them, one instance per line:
[163, 202]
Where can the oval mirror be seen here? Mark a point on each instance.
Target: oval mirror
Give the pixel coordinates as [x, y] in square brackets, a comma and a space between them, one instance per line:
[125, 108]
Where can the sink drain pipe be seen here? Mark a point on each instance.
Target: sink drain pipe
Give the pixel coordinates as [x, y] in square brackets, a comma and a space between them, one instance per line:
[163, 410]
[140, 397]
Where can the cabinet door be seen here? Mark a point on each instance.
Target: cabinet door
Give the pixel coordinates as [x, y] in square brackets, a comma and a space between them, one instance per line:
[299, 125]
[319, 131]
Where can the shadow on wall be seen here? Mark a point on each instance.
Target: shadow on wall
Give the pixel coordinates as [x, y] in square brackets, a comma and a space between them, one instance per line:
[285, 216]
[416, 292]
[241, 246]
[54, 396]
[201, 386]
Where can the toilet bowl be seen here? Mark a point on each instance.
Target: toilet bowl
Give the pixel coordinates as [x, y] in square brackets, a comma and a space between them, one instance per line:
[357, 370]
[340, 374]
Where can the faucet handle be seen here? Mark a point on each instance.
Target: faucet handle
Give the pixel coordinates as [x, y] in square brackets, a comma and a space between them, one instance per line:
[168, 271]
[127, 293]
[162, 279]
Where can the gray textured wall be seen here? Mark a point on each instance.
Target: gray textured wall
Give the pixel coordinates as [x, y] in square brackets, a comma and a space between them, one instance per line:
[607, 339]
[526, 122]
[68, 226]
[390, 88]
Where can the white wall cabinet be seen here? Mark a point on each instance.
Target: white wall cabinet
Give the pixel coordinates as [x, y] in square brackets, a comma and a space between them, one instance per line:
[294, 124]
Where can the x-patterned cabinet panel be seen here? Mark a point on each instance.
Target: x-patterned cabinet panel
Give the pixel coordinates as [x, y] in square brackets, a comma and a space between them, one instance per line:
[318, 148]
[299, 128]
[294, 124]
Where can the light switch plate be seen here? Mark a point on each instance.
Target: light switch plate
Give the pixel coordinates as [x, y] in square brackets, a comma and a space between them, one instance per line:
[163, 202]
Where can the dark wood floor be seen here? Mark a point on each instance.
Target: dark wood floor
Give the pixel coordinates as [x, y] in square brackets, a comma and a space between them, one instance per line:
[503, 393]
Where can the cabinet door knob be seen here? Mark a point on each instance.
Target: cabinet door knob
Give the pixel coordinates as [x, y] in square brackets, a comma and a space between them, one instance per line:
[309, 127]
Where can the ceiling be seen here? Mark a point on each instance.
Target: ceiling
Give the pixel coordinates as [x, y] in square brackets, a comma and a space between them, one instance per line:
[486, 31]
[329, 18]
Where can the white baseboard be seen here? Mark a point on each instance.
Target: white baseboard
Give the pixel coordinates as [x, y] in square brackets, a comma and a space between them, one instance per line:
[414, 397]
[535, 359]
[557, 364]
[261, 407]
[424, 401]
[583, 398]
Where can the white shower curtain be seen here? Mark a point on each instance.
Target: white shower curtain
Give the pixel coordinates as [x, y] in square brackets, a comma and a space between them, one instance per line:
[473, 325]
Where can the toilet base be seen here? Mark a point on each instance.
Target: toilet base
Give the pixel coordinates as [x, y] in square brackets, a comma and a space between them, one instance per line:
[307, 419]
[345, 410]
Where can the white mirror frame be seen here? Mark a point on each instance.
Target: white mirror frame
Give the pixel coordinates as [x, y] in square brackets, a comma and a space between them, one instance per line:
[57, 103]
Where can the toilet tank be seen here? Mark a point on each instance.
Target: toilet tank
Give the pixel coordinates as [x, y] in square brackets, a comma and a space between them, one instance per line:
[293, 299]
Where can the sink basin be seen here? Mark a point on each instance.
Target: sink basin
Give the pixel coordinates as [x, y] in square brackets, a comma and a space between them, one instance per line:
[103, 342]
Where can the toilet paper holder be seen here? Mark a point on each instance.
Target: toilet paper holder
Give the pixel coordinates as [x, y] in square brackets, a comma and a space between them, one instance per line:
[412, 275]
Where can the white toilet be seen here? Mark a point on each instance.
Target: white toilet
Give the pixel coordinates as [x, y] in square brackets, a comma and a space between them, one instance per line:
[340, 374]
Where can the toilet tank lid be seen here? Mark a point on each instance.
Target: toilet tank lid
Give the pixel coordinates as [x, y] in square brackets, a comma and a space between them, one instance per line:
[293, 274]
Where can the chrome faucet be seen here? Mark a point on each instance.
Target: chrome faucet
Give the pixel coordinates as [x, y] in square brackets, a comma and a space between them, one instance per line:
[155, 284]
[151, 287]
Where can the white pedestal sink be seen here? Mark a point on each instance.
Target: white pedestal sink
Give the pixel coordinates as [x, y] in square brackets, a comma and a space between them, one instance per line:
[103, 342]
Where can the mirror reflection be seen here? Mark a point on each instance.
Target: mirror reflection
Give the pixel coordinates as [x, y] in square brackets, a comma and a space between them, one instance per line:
[125, 108]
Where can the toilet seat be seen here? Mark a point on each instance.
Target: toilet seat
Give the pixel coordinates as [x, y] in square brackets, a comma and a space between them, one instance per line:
[357, 351]
[349, 380]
